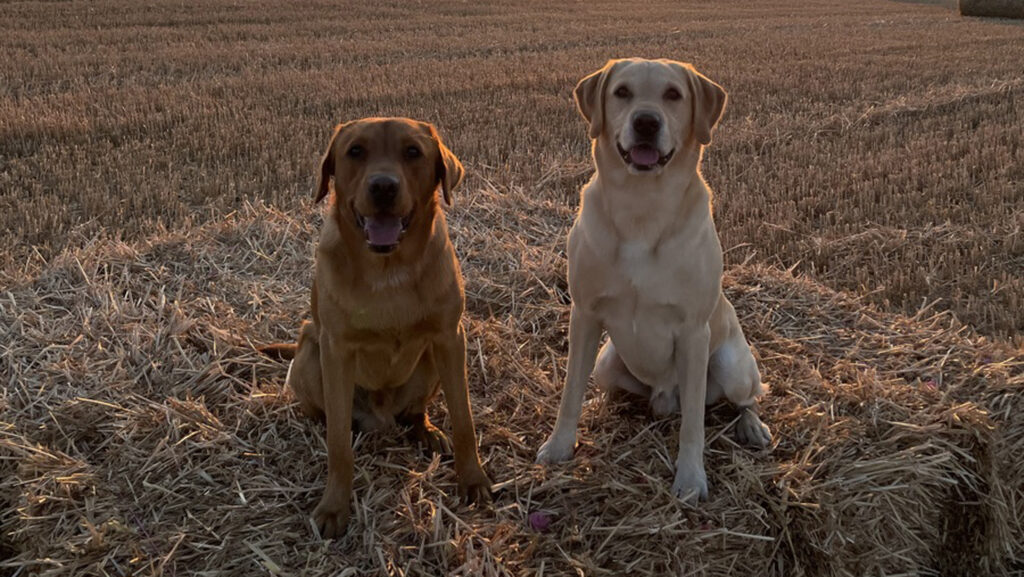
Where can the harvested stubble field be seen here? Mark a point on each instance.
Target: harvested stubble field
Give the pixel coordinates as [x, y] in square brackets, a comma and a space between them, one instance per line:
[156, 165]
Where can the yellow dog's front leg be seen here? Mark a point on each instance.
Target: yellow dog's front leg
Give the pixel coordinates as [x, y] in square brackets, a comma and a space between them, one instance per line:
[691, 351]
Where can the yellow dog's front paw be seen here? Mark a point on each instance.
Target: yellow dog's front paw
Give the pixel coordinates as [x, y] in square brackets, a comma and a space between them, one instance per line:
[691, 483]
[556, 449]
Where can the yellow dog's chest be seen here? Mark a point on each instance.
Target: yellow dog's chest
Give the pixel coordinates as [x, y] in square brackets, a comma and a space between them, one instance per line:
[643, 321]
[643, 298]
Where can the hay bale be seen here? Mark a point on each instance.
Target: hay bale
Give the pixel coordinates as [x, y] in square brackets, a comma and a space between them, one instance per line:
[141, 434]
[993, 8]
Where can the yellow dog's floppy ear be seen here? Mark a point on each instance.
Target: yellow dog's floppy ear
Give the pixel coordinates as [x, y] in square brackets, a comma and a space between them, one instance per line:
[449, 170]
[323, 183]
[589, 95]
[708, 103]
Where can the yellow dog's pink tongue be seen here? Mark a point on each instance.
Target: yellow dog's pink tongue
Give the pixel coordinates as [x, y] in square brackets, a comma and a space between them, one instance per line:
[643, 155]
[383, 230]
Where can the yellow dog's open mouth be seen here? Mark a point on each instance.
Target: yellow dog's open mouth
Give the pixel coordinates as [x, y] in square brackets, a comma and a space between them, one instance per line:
[644, 157]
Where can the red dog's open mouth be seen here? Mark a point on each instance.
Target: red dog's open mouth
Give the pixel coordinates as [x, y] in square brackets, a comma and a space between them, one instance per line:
[383, 231]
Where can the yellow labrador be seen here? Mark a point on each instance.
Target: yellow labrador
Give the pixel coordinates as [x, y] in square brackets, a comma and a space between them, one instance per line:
[645, 264]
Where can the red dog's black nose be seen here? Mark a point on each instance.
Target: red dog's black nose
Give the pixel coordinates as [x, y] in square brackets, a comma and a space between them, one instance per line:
[383, 190]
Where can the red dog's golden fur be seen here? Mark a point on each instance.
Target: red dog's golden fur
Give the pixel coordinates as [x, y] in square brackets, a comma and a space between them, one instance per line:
[386, 305]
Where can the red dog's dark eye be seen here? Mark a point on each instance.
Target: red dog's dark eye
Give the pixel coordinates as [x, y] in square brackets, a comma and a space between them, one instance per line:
[356, 151]
[413, 152]
[623, 92]
[672, 94]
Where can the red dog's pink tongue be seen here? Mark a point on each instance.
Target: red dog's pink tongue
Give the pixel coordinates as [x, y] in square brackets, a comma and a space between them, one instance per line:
[383, 230]
[644, 155]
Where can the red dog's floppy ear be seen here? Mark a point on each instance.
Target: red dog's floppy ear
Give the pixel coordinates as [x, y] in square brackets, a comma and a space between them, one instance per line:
[449, 170]
[323, 183]
[589, 96]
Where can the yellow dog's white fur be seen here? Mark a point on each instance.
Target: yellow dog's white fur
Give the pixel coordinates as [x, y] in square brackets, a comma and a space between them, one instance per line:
[645, 265]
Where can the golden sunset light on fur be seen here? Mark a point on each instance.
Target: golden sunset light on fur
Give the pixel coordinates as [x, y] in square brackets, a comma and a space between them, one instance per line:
[512, 289]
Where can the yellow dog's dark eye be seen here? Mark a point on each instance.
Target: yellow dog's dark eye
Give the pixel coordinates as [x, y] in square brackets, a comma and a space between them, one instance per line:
[672, 94]
[623, 92]
[356, 151]
[412, 152]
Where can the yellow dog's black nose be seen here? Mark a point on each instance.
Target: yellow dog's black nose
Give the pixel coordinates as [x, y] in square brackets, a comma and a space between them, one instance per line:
[646, 124]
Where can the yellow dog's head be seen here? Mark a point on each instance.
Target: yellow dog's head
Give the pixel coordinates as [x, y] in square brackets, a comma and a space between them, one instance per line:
[650, 109]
